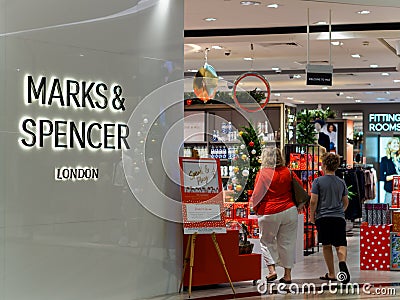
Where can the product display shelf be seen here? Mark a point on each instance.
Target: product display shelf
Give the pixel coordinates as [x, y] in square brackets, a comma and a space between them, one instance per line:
[303, 160]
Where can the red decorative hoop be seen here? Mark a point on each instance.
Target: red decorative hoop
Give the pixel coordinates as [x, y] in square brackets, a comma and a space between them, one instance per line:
[259, 76]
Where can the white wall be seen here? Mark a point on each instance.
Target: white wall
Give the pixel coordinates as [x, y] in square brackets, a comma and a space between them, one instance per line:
[85, 239]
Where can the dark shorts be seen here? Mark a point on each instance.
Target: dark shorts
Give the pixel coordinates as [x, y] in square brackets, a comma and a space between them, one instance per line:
[331, 231]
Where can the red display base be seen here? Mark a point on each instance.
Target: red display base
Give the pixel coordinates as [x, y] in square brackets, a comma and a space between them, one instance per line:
[208, 270]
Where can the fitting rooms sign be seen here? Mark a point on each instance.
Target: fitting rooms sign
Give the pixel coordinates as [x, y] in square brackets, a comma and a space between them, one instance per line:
[65, 134]
[384, 122]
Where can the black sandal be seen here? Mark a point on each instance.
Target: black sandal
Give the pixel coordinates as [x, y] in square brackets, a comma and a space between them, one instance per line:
[272, 277]
[283, 280]
[326, 277]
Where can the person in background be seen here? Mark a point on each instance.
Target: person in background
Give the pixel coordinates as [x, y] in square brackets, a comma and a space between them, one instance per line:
[331, 132]
[277, 213]
[328, 203]
[390, 165]
[321, 137]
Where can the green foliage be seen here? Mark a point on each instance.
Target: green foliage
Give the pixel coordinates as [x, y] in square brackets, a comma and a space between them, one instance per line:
[351, 193]
[305, 129]
[257, 94]
[323, 114]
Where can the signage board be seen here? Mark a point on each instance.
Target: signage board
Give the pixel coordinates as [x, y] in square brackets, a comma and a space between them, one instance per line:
[202, 196]
[319, 75]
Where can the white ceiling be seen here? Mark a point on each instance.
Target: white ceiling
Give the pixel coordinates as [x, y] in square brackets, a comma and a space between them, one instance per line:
[288, 51]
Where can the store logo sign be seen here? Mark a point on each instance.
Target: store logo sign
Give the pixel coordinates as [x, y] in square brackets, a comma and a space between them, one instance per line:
[61, 134]
[383, 122]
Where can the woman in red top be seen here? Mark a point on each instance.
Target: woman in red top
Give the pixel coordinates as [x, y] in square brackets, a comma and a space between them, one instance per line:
[277, 213]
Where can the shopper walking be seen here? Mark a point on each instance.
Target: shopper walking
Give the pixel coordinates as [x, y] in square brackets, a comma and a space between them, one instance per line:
[390, 165]
[277, 213]
[327, 205]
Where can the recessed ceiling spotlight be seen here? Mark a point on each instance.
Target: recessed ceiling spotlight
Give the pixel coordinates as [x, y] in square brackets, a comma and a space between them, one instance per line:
[396, 80]
[337, 43]
[301, 101]
[18, 69]
[81, 55]
[363, 12]
[216, 47]
[355, 55]
[273, 5]
[373, 66]
[275, 68]
[349, 97]
[320, 23]
[297, 76]
[277, 94]
[357, 100]
[380, 98]
[192, 70]
[210, 19]
[385, 74]
[248, 58]
[290, 98]
[247, 3]
[387, 93]
[325, 88]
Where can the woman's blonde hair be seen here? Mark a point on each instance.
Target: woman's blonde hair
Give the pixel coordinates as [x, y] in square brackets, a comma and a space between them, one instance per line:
[271, 157]
[388, 148]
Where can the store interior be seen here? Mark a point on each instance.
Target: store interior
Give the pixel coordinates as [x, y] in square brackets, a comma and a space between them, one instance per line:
[278, 41]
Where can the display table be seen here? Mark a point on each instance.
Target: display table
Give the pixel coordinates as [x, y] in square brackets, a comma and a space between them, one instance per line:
[207, 269]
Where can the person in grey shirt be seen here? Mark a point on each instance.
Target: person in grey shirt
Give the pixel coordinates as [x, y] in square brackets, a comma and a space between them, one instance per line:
[327, 205]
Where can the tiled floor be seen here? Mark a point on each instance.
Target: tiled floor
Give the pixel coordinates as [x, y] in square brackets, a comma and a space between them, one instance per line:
[308, 271]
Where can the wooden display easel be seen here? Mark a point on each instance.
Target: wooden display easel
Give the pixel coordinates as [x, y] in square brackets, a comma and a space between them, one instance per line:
[189, 257]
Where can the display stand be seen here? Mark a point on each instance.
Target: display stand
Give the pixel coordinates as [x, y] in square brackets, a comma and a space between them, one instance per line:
[189, 256]
[303, 160]
[202, 208]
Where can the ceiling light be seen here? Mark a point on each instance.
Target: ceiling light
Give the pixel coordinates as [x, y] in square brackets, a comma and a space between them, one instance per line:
[363, 12]
[357, 100]
[210, 19]
[248, 58]
[277, 94]
[247, 3]
[337, 43]
[325, 88]
[373, 66]
[273, 5]
[220, 77]
[385, 74]
[18, 69]
[320, 23]
[387, 93]
[355, 117]
[380, 98]
[396, 80]
[349, 97]
[296, 76]
[356, 55]
[301, 101]
[192, 70]
[81, 55]
[275, 68]
[290, 98]
[216, 47]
